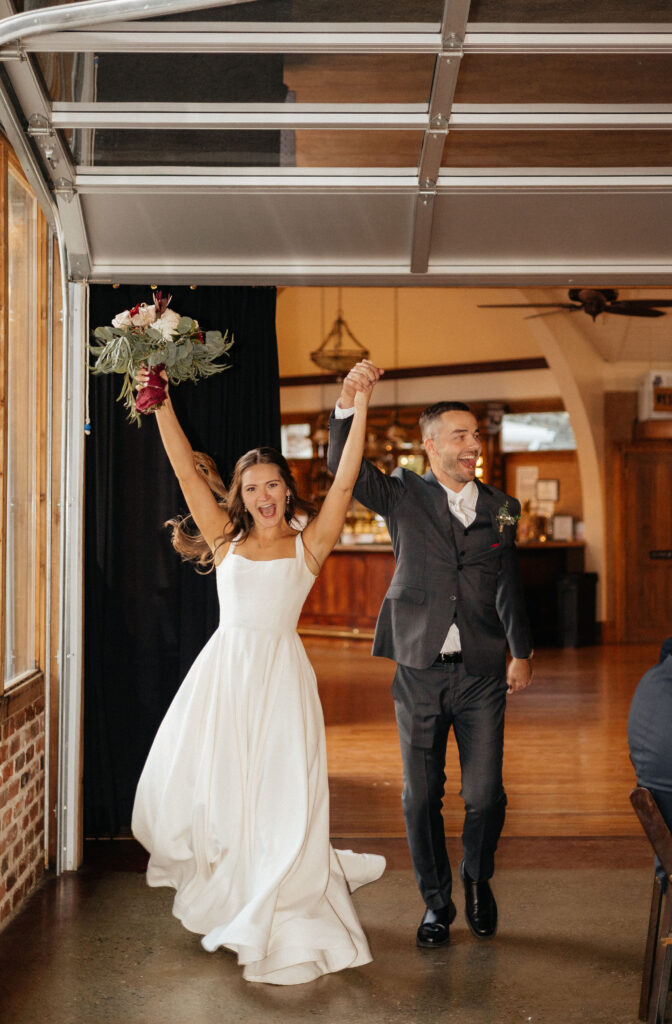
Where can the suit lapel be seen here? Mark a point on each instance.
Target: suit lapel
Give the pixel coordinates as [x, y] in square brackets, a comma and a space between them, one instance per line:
[485, 504]
[439, 499]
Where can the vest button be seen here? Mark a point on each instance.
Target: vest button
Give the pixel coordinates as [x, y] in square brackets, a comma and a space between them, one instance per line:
[460, 568]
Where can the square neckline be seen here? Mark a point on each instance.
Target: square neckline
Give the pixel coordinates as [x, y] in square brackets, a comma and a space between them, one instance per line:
[264, 561]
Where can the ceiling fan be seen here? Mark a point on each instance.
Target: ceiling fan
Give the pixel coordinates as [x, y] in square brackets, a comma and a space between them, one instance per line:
[593, 301]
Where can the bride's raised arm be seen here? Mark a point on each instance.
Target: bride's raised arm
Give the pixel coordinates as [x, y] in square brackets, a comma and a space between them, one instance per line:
[210, 517]
[324, 530]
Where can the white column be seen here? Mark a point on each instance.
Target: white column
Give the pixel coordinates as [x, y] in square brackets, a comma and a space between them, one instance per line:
[69, 809]
[579, 372]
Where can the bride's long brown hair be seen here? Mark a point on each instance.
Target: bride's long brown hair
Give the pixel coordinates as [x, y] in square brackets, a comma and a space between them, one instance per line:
[188, 540]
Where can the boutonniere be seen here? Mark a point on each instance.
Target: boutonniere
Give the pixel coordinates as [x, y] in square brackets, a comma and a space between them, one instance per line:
[506, 518]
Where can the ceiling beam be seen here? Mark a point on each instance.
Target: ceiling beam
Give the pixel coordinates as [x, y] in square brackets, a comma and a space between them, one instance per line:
[574, 39]
[370, 117]
[33, 23]
[198, 37]
[556, 116]
[423, 219]
[203, 37]
[219, 116]
[210, 181]
[434, 370]
[444, 82]
[613, 275]
[454, 22]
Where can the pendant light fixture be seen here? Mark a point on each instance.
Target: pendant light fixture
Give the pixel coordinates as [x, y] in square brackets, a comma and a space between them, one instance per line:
[340, 350]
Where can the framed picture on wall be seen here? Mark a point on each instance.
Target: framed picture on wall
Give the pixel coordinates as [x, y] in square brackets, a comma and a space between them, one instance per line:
[548, 490]
[563, 528]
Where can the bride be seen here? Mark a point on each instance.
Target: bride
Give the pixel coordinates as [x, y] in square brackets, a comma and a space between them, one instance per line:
[233, 802]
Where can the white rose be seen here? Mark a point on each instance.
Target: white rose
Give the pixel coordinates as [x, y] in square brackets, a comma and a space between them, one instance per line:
[145, 316]
[168, 323]
[122, 319]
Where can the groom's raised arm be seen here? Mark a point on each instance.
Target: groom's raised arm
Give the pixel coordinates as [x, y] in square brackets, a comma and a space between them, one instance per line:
[373, 489]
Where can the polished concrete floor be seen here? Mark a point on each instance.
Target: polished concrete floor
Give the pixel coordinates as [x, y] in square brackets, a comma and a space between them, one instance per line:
[99, 947]
[573, 884]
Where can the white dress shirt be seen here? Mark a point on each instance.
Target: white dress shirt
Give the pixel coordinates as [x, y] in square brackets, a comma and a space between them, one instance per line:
[343, 414]
[462, 505]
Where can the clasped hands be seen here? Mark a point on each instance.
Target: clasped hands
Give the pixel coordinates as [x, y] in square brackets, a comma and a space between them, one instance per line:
[360, 380]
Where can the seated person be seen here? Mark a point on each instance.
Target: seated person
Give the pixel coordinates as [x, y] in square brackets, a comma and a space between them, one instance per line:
[650, 736]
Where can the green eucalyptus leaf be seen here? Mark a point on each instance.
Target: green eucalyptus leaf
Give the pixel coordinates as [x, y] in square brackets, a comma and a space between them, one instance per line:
[184, 350]
[170, 353]
[155, 358]
[104, 333]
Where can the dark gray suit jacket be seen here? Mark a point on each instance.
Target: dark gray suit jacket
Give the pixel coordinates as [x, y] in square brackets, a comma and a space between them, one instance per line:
[443, 572]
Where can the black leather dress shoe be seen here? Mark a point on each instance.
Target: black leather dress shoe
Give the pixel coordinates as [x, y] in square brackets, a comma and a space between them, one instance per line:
[434, 928]
[480, 906]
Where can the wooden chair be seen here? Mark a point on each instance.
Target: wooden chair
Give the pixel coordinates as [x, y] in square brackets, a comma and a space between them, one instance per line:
[658, 955]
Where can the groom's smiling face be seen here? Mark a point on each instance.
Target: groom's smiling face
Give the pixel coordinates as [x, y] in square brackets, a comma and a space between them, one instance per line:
[453, 448]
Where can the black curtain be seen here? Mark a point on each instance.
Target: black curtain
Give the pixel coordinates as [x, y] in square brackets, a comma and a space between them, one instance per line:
[147, 614]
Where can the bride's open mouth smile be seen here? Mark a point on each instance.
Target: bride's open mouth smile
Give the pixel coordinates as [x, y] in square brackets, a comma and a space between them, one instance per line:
[266, 511]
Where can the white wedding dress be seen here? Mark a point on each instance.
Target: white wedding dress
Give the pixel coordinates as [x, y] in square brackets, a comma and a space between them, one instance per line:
[233, 801]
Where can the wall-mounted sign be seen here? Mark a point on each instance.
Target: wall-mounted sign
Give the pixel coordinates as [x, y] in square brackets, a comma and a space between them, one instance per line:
[662, 399]
[655, 396]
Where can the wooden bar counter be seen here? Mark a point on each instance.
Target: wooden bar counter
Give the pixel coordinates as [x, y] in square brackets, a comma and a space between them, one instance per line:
[346, 598]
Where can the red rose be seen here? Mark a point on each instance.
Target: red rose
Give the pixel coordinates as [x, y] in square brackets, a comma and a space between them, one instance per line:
[153, 395]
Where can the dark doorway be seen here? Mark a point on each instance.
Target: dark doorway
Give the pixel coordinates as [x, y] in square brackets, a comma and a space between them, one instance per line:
[146, 613]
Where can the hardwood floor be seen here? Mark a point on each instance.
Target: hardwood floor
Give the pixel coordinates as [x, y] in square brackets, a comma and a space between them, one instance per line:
[567, 769]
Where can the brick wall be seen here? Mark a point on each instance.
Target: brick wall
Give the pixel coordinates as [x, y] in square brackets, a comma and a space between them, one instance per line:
[22, 721]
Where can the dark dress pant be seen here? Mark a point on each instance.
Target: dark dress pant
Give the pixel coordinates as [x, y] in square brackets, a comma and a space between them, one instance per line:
[427, 703]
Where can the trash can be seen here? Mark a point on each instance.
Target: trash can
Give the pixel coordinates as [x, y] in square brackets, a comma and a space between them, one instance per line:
[576, 609]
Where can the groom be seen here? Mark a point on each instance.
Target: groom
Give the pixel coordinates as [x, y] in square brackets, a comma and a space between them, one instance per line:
[454, 604]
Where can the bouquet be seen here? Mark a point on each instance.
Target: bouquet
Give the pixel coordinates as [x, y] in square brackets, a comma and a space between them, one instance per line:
[158, 338]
